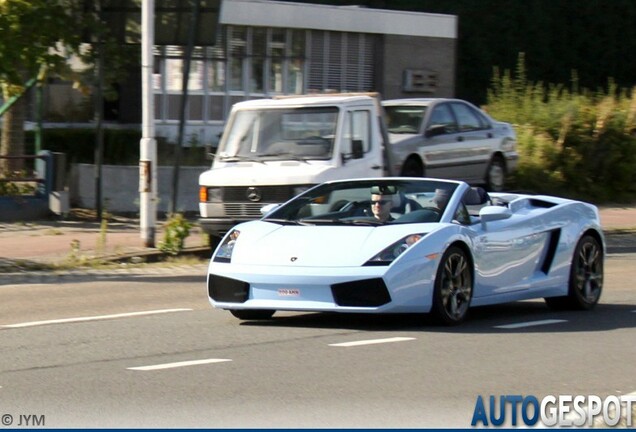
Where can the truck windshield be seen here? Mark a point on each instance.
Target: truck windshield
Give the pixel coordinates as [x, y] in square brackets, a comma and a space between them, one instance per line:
[280, 134]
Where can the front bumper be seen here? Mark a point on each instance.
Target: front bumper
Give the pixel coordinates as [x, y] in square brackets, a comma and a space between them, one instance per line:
[360, 289]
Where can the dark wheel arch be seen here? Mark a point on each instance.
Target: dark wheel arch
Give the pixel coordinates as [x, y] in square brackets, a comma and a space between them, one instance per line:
[412, 167]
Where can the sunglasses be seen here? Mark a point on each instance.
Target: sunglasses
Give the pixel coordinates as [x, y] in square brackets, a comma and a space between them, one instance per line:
[381, 202]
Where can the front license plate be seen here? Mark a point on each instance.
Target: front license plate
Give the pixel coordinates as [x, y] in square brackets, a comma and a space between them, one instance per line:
[288, 292]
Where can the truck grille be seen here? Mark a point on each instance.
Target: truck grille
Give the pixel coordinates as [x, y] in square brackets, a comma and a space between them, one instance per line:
[237, 203]
[243, 209]
[268, 194]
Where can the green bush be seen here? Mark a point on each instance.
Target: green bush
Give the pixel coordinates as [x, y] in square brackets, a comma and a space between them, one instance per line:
[574, 143]
[176, 230]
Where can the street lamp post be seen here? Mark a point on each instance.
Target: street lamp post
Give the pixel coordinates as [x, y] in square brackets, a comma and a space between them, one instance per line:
[148, 144]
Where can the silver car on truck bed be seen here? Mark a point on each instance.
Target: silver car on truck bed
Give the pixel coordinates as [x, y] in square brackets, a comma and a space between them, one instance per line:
[450, 139]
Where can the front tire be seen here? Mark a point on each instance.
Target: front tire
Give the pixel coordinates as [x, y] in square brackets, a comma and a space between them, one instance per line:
[586, 277]
[252, 314]
[453, 290]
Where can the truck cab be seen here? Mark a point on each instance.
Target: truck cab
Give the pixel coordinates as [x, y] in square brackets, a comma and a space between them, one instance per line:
[274, 149]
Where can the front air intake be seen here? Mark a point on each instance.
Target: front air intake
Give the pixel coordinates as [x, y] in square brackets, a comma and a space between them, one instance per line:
[222, 289]
[361, 293]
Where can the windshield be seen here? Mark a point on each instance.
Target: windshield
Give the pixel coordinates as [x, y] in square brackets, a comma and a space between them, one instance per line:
[404, 119]
[278, 134]
[360, 202]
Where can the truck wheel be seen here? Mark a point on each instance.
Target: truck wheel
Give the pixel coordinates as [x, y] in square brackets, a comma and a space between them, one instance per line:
[412, 168]
[214, 241]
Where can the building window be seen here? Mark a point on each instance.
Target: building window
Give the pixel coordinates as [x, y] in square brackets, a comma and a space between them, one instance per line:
[245, 62]
[296, 65]
[258, 60]
[277, 59]
[237, 47]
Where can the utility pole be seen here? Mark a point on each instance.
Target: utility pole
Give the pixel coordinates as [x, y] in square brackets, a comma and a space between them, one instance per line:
[99, 119]
[148, 144]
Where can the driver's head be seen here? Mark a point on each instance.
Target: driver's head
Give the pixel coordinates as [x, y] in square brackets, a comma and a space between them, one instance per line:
[382, 200]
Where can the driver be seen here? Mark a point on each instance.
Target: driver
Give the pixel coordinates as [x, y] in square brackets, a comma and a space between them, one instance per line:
[383, 198]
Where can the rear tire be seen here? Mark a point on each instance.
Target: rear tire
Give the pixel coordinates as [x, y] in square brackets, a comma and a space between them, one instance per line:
[586, 277]
[252, 314]
[453, 290]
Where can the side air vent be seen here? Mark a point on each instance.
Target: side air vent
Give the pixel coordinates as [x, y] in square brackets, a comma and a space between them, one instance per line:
[553, 242]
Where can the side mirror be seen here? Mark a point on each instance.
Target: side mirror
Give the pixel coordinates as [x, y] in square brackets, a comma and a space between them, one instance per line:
[435, 130]
[268, 208]
[494, 213]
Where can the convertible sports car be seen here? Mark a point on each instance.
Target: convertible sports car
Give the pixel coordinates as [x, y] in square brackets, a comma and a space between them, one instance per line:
[444, 247]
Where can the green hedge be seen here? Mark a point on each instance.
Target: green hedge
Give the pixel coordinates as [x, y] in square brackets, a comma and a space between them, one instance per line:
[571, 142]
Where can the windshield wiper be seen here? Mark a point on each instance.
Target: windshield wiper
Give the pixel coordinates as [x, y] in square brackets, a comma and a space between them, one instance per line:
[239, 158]
[285, 155]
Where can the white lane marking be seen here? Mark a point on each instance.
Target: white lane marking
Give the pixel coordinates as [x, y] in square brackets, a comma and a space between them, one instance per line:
[92, 318]
[372, 341]
[531, 324]
[178, 364]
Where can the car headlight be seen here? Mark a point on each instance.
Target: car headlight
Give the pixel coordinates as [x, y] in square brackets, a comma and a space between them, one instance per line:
[508, 145]
[389, 254]
[224, 253]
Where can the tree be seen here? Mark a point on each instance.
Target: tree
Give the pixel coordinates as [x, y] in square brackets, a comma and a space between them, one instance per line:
[38, 36]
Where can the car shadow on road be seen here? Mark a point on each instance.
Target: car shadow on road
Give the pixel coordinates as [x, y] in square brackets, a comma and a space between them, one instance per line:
[519, 317]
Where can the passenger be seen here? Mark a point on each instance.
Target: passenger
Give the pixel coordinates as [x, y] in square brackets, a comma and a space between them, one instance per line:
[441, 199]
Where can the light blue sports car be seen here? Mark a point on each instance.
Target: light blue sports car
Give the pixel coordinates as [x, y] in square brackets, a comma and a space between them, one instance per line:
[412, 245]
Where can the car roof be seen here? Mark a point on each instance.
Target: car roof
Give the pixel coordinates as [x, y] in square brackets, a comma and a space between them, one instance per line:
[418, 101]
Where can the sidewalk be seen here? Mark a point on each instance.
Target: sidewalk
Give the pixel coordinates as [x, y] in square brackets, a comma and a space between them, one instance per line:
[57, 241]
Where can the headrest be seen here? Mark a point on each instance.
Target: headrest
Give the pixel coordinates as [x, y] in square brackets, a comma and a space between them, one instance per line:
[476, 196]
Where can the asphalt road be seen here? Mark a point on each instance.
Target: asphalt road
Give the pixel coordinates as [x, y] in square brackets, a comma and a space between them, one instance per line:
[145, 351]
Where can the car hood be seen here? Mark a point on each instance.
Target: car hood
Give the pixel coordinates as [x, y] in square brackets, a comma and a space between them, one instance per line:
[264, 243]
[395, 138]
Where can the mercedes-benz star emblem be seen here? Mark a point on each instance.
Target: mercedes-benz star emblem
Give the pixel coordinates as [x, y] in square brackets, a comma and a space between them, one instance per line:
[254, 194]
[293, 259]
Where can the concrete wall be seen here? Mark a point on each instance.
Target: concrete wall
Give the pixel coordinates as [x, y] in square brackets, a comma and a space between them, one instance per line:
[398, 53]
[120, 188]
